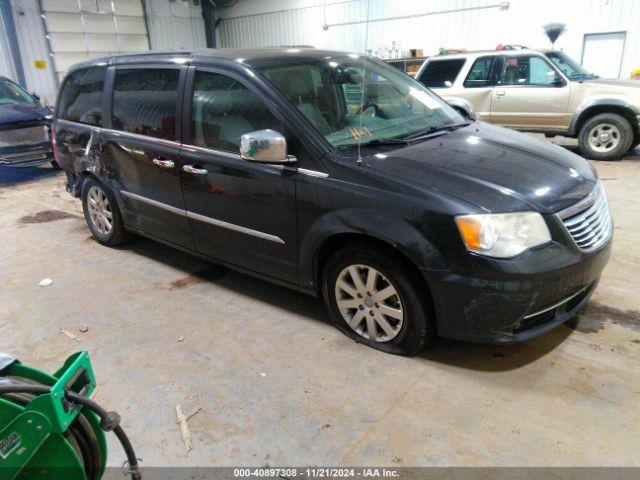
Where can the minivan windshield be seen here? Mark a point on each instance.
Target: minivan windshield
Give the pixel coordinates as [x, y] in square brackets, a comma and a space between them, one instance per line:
[10, 93]
[569, 67]
[353, 100]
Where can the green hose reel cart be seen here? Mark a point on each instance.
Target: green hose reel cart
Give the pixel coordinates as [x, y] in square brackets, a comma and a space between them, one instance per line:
[49, 427]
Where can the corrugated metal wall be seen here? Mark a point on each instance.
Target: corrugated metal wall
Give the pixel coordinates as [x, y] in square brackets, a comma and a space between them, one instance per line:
[471, 24]
[81, 29]
[33, 47]
[175, 25]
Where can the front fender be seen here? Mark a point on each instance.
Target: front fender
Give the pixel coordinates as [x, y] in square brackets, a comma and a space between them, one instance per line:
[395, 232]
[461, 104]
[600, 102]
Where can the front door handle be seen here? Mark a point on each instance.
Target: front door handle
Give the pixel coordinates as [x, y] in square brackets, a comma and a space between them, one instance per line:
[162, 163]
[500, 93]
[194, 170]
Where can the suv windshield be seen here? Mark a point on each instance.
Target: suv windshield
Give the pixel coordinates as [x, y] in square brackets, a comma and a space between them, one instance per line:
[355, 100]
[11, 93]
[569, 67]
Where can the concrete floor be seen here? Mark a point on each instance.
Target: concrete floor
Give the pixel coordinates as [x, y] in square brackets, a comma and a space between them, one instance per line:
[280, 386]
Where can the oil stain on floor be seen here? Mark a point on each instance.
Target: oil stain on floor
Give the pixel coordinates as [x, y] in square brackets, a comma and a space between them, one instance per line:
[596, 314]
[201, 276]
[46, 216]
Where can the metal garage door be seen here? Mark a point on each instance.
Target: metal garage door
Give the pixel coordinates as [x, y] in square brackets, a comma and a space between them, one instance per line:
[79, 30]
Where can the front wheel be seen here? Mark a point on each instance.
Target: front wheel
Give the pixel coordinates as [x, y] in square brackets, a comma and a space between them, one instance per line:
[376, 300]
[102, 214]
[605, 137]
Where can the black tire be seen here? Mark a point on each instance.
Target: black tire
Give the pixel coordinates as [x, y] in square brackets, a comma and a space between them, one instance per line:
[418, 326]
[625, 140]
[117, 234]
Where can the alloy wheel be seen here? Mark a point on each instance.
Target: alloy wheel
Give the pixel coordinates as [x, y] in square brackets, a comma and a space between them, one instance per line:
[100, 210]
[604, 137]
[369, 303]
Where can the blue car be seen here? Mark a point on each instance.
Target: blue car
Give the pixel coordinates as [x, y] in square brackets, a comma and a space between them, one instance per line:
[24, 127]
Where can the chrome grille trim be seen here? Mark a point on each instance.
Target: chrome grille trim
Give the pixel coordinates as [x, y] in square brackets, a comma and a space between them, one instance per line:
[589, 221]
[17, 137]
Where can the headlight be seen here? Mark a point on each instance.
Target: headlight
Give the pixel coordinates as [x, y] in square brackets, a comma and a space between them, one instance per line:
[502, 235]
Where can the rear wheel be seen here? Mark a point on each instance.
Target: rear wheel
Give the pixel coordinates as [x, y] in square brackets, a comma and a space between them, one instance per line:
[102, 214]
[606, 137]
[374, 299]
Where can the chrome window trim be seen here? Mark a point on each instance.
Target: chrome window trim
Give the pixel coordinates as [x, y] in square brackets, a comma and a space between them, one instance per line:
[212, 151]
[138, 136]
[205, 219]
[555, 305]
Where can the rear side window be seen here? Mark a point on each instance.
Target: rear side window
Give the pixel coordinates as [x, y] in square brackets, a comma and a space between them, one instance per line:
[81, 97]
[144, 101]
[480, 73]
[223, 110]
[441, 73]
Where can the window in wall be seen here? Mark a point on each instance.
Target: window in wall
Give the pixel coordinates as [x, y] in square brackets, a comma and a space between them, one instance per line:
[527, 70]
[441, 73]
[81, 97]
[144, 101]
[223, 110]
[480, 73]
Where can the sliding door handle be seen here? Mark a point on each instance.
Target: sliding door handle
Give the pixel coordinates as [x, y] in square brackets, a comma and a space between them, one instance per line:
[500, 93]
[162, 163]
[195, 171]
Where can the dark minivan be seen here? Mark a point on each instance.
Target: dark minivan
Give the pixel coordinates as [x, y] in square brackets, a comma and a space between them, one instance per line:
[339, 176]
[24, 127]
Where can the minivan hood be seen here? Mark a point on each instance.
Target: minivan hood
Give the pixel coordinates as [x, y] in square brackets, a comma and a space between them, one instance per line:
[492, 168]
[11, 116]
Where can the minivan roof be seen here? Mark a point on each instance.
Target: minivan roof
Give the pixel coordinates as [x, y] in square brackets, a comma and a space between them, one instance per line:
[246, 56]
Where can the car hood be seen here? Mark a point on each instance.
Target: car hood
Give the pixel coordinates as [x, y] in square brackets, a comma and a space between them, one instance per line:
[18, 113]
[490, 168]
[615, 82]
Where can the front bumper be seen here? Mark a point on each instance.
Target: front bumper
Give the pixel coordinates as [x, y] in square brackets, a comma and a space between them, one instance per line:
[510, 302]
[26, 155]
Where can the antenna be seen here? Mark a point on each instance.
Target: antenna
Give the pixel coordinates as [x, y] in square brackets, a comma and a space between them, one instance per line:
[553, 31]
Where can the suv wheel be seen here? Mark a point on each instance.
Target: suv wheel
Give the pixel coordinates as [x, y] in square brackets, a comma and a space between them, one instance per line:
[102, 214]
[605, 137]
[374, 300]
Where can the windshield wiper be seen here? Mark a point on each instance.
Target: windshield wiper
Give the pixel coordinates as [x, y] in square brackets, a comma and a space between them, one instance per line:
[440, 129]
[377, 141]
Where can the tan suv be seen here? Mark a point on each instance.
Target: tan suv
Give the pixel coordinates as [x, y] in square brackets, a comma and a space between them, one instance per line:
[541, 91]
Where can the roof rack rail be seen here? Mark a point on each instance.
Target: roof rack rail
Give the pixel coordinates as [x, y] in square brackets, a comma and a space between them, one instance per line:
[511, 47]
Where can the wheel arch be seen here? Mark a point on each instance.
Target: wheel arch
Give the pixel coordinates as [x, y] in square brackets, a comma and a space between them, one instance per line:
[341, 229]
[461, 105]
[597, 107]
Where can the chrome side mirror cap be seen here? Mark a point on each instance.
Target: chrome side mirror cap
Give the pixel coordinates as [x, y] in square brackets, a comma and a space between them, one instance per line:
[265, 146]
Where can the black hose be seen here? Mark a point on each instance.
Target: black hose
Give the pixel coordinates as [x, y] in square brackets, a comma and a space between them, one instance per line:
[134, 469]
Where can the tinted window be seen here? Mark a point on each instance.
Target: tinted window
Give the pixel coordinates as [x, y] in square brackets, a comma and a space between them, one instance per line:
[480, 73]
[526, 70]
[144, 101]
[441, 73]
[223, 110]
[81, 97]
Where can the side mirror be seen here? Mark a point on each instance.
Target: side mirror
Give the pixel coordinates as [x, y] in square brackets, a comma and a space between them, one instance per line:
[265, 146]
[558, 82]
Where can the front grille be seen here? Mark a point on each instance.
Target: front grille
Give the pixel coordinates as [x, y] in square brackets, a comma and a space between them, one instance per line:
[23, 136]
[589, 221]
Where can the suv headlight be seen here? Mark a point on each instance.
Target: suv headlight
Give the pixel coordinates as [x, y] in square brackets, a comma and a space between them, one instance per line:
[502, 235]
